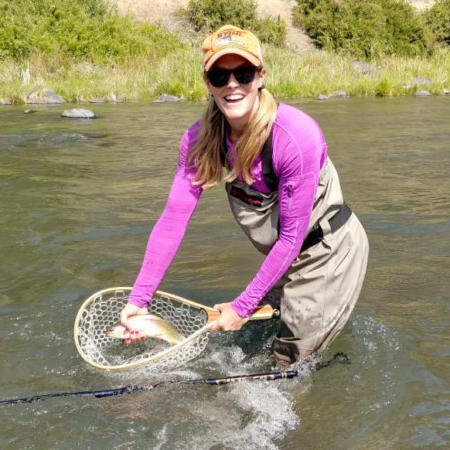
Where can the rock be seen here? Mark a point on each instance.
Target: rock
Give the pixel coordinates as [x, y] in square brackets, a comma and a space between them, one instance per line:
[97, 100]
[422, 94]
[418, 82]
[78, 113]
[49, 98]
[446, 92]
[116, 99]
[29, 111]
[322, 97]
[167, 98]
[339, 94]
[365, 68]
[4, 101]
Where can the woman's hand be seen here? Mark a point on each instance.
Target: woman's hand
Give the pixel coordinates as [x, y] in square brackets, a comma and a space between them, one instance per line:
[229, 319]
[127, 312]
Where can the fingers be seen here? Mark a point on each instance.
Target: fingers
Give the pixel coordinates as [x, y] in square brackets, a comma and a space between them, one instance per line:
[135, 337]
[216, 328]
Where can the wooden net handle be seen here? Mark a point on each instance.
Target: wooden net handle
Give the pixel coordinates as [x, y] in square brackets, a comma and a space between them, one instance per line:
[263, 313]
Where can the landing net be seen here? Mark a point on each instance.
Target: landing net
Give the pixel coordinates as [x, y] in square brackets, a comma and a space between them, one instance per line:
[103, 309]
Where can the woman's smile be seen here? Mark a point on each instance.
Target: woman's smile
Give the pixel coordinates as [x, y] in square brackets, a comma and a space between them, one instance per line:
[237, 101]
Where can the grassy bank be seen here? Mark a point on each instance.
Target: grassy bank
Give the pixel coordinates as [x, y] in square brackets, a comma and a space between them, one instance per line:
[179, 73]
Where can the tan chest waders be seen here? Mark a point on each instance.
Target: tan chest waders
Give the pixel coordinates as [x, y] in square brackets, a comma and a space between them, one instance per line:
[319, 290]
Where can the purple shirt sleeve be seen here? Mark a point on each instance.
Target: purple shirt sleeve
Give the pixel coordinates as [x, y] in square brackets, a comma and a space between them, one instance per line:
[299, 151]
[167, 234]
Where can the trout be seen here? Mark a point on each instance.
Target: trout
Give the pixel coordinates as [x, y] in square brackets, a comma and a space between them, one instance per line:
[149, 325]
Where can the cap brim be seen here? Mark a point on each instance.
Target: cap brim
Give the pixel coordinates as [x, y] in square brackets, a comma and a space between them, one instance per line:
[232, 51]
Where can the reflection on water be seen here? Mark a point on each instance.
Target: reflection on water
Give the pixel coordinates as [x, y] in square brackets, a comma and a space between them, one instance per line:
[78, 200]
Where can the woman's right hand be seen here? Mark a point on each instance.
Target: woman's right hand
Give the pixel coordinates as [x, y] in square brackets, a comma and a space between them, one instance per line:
[127, 312]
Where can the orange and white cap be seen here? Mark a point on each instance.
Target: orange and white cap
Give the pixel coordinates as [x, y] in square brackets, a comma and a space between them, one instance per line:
[231, 40]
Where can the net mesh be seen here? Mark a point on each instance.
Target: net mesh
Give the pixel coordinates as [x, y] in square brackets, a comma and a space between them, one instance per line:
[100, 350]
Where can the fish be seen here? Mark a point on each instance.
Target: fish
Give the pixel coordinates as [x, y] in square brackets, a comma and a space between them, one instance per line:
[148, 325]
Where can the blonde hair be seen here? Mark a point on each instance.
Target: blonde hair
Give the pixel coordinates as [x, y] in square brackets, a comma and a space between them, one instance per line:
[205, 155]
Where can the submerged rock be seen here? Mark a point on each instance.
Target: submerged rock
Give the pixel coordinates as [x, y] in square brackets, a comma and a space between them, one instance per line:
[97, 100]
[29, 111]
[4, 101]
[422, 94]
[78, 113]
[418, 82]
[167, 98]
[48, 98]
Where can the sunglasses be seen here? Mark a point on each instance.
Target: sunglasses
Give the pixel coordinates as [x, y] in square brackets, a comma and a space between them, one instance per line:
[220, 77]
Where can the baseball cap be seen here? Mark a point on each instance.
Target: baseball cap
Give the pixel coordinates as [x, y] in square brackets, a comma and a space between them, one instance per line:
[231, 40]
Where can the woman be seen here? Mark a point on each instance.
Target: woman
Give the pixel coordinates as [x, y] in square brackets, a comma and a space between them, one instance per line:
[283, 191]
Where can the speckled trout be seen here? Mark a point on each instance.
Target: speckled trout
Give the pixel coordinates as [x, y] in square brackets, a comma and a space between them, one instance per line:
[149, 325]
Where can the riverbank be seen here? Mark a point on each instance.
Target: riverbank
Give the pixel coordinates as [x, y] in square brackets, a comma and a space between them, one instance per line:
[290, 74]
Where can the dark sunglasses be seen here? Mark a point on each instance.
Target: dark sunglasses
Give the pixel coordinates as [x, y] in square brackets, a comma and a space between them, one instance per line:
[220, 77]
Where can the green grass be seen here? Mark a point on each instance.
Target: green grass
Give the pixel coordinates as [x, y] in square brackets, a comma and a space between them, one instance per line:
[179, 73]
[83, 49]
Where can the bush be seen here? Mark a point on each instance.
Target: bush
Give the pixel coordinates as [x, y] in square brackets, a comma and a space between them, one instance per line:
[438, 19]
[364, 29]
[82, 29]
[210, 15]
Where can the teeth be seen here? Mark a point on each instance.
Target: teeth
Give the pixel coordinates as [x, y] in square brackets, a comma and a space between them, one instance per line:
[234, 97]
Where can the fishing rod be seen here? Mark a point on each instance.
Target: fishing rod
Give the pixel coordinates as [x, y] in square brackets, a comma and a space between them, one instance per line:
[340, 358]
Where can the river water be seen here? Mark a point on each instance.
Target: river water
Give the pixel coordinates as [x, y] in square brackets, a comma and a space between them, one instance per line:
[78, 199]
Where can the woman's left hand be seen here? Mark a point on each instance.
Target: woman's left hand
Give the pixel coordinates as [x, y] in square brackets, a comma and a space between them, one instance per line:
[229, 319]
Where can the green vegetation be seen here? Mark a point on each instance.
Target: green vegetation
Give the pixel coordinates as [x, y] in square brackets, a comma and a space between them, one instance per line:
[289, 75]
[365, 30]
[83, 49]
[438, 19]
[209, 15]
[77, 29]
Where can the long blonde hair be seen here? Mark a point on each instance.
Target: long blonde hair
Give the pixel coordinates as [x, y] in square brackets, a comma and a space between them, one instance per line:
[205, 155]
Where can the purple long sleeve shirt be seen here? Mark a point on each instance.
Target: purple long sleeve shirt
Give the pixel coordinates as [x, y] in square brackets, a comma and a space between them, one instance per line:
[299, 152]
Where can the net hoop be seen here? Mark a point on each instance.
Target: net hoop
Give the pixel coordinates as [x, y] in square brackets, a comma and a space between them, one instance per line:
[212, 314]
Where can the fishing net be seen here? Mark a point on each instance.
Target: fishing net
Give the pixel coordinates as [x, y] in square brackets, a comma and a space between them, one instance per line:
[103, 309]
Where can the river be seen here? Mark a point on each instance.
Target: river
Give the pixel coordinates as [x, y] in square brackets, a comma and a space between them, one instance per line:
[78, 199]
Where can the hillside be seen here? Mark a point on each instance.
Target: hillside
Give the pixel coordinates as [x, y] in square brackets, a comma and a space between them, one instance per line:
[164, 13]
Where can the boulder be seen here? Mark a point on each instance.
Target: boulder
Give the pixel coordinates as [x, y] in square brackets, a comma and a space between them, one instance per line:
[339, 94]
[167, 98]
[322, 97]
[4, 101]
[365, 68]
[116, 99]
[29, 111]
[48, 98]
[78, 113]
[446, 92]
[418, 82]
[422, 94]
[97, 100]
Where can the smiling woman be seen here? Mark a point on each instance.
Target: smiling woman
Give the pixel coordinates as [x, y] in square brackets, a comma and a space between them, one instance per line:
[283, 191]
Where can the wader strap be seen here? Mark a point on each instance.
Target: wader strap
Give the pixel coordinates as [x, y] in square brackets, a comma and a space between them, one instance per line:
[336, 222]
[270, 178]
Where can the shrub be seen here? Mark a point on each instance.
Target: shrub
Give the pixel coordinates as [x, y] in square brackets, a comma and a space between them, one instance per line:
[82, 29]
[364, 29]
[209, 15]
[438, 19]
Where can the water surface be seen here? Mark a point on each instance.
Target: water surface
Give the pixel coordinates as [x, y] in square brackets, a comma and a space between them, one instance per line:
[78, 199]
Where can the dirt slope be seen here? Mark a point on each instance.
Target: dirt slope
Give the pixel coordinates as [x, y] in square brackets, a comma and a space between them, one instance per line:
[163, 12]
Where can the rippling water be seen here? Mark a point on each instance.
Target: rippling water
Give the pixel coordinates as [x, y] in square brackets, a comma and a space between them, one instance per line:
[78, 199]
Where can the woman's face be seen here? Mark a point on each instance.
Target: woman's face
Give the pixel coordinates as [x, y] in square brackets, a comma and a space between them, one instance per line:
[237, 101]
